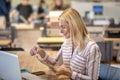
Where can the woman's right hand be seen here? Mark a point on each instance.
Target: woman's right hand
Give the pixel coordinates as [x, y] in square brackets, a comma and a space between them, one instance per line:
[36, 50]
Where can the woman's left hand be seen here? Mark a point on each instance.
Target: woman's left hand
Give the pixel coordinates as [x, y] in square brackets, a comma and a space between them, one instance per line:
[63, 71]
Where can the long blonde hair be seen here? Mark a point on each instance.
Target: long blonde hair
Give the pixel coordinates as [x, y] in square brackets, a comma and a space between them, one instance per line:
[78, 31]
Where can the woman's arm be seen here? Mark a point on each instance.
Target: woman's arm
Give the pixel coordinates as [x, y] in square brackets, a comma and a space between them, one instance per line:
[94, 62]
[56, 61]
[93, 65]
[45, 58]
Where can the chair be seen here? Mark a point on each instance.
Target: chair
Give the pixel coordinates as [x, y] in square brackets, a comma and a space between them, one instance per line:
[108, 72]
[106, 49]
[9, 34]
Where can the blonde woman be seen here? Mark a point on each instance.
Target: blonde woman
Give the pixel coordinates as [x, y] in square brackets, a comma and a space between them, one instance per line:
[79, 54]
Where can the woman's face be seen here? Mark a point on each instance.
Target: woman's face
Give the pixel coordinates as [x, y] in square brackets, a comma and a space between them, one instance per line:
[64, 28]
[58, 2]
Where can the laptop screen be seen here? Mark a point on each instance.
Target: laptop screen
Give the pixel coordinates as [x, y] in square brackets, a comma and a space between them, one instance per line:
[9, 66]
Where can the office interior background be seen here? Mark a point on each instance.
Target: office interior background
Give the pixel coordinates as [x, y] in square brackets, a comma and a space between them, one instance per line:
[102, 19]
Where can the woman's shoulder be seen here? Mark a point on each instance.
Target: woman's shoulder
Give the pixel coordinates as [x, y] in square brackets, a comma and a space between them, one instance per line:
[91, 45]
[90, 48]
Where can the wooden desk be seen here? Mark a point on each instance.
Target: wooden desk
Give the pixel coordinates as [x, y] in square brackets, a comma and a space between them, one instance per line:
[53, 24]
[23, 26]
[50, 42]
[46, 40]
[43, 77]
[53, 29]
[30, 62]
[5, 42]
[111, 39]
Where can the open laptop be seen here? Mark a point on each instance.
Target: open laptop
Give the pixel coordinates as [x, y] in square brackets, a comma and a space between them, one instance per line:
[10, 70]
[9, 66]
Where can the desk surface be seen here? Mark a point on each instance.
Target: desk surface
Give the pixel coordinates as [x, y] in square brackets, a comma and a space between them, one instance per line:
[43, 77]
[50, 40]
[23, 26]
[111, 39]
[4, 42]
[30, 62]
[52, 24]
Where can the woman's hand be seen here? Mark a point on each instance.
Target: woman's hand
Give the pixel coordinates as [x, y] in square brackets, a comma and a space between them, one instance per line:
[36, 50]
[41, 52]
[63, 71]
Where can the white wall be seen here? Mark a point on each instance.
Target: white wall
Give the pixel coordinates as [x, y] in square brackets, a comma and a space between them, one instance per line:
[110, 9]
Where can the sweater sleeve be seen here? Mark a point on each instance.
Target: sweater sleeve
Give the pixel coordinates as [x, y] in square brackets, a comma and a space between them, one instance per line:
[92, 65]
[94, 62]
[56, 61]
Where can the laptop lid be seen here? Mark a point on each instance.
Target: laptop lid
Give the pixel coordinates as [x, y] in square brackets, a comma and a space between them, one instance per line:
[9, 66]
